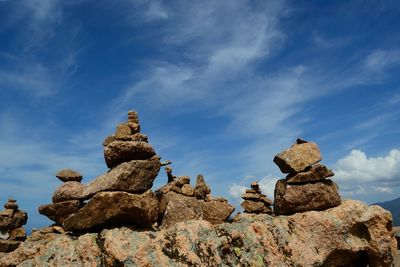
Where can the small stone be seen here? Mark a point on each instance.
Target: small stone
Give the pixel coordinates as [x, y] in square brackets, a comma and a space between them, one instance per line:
[18, 219]
[255, 186]
[11, 205]
[182, 180]
[134, 127]
[217, 212]
[68, 175]
[298, 157]
[220, 199]
[140, 137]
[108, 140]
[201, 189]
[266, 200]
[251, 191]
[9, 213]
[59, 211]
[122, 130]
[58, 229]
[18, 234]
[315, 173]
[251, 196]
[68, 191]
[176, 189]
[133, 116]
[4, 234]
[188, 190]
[11, 200]
[251, 206]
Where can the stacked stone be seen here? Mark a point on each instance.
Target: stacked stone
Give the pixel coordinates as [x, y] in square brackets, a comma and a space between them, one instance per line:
[179, 202]
[255, 201]
[121, 196]
[11, 231]
[305, 187]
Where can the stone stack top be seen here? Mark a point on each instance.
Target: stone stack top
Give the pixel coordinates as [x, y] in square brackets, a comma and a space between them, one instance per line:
[68, 175]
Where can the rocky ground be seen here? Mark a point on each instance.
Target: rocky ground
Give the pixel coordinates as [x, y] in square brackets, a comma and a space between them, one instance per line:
[352, 234]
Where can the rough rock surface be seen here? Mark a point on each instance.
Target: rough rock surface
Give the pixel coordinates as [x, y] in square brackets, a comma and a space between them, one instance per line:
[135, 176]
[298, 157]
[118, 152]
[18, 219]
[108, 209]
[316, 172]
[68, 191]
[299, 198]
[201, 189]
[352, 234]
[59, 211]
[68, 175]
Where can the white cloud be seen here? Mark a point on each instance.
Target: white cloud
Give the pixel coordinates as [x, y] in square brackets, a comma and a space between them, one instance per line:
[236, 191]
[378, 60]
[358, 167]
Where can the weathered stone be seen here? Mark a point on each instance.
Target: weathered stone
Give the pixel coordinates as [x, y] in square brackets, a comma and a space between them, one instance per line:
[18, 219]
[220, 199]
[208, 197]
[133, 117]
[134, 127]
[11, 205]
[351, 233]
[255, 186]
[201, 189]
[123, 131]
[4, 234]
[253, 206]
[180, 210]
[140, 137]
[176, 189]
[68, 175]
[68, 191]
[108, 209]
[18, 234]
[290, 199]
[7, 213]
[188, 190]
[108, 140]
[8, 245]
[266, 200]
[118, 152]
[251, 191]
[217, 212]
[251, 196]
[298, 157]
[182, 180]
[58, 212]
[135, 176]
[314, 173]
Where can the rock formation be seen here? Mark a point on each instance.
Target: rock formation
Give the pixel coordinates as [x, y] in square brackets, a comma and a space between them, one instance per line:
[11, 231]
[255, 201]
[352, 234]
[305, 187]
[180, 202]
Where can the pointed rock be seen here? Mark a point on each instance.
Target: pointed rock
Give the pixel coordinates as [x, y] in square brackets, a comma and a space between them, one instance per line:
[201, 189]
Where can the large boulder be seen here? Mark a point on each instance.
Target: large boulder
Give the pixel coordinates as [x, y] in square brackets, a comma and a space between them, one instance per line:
[352, 234]
[57, 212]
[135, 176]
[298, 157]
[109, 209]
[118, 152]
[290, 199]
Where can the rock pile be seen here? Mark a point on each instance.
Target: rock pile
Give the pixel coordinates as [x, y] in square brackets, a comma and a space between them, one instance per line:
[305, 187]
[255, 201]
[11, 231]
[122, 196]
[179, 202]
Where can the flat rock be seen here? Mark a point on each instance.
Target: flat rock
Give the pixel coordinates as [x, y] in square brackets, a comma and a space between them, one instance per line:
[11, 205]
[345, 235]
[290, 199]
[18, 234]
[57, 212]
[68, 175]
[298, 157]
[136, 176]
[8, 245]
[18, 219]
[253, 206]
[217, 212]
[68, 191]
[316, 172]
[109, 209]
[118, 152]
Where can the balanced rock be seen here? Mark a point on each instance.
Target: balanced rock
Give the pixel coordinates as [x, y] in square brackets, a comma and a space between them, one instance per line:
[314, 173]
[68, 175]
[255, 202]
[108, 209]
[11, 204]
[68, 191]
[136, 176]
[298, 157]
[59, 211]
[201, 189]
[251, 206]
[118, 152]
[17, 219]
[123, 132]
[290, 199]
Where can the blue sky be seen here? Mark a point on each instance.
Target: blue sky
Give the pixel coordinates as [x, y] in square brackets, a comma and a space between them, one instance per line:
[220, 87]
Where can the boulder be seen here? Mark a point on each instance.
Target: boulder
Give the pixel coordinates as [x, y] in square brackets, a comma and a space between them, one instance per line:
[201, 189]
[109, 209]
[352, 234]
[18, 219]
[136, 176]
[187, 190]
[68, 191]
[180, 210]
[290, 199]
[8, 245]
[68, 175]
[298, 157]
[57, 212]
[217, 212]
[118, 152]
[314, 173]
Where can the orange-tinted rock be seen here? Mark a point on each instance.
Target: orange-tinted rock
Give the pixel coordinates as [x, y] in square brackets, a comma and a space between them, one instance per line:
[118, 152]
[68, 175]
[57, 212]
[68, 191]
[17, 219]
[298, 157]
[290, 199]
[187, 190]
[123, 131]
[18, 234]
[201, 189]
[216, 211]
[315, 173]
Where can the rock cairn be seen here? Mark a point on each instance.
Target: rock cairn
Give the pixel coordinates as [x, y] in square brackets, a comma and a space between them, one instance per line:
[255, 201]
[179, 201]
[305, 187]
[121, 196]
[11, 231]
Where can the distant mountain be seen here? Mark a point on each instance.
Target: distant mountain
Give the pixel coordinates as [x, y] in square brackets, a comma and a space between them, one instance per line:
[394, 207]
